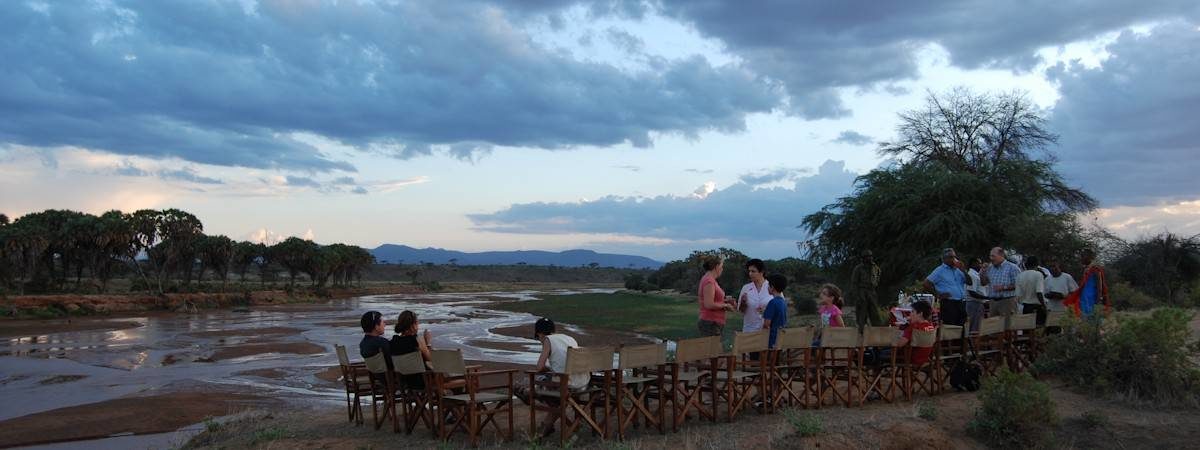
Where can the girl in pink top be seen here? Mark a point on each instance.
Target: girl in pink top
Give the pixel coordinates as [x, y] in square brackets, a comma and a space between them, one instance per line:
[831, 306]
[712, 299]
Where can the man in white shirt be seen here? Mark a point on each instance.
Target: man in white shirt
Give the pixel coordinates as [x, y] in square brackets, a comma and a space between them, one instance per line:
[754, 297]
[1031, 290]
[1058, 285]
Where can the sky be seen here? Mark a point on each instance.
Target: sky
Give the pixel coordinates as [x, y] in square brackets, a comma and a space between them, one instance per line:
[644, 127]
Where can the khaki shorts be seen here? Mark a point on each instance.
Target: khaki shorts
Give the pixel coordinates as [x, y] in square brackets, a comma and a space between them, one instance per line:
[710, 328]
[1004, 308]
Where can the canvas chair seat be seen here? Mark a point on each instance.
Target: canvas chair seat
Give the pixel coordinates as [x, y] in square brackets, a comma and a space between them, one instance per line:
[637, 380]
[482, 397]
[571, 392]
[691, 376]
[737, 375]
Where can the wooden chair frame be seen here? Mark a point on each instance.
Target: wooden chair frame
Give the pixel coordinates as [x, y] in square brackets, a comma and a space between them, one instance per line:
[838, 359]
[989, 343]
[640, 374]
[880, 376]
[1020, 342]
[576, 408]
[920, 377]
[478, 405]
[383, 390]
[357, 382]
[742, 373]
[415, 403]
[950, 348]
[686, 386]
[792, 361]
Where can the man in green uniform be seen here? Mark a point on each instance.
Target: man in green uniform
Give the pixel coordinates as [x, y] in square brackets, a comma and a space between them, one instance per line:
[864, 280]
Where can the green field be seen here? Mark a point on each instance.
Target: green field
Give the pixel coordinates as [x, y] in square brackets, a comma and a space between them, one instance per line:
[666, 317]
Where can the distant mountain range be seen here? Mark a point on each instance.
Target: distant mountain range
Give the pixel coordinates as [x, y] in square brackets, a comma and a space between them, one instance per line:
[395, 254]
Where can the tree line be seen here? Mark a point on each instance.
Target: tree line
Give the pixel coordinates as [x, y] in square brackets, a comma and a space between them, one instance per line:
[48, 251]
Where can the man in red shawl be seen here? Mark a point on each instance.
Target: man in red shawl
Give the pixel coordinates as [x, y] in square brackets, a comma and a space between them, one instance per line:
[1093, 288]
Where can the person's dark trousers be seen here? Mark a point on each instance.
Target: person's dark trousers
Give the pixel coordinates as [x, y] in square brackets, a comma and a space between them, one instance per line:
[1039, 309]
[953, 312]
[866, 311]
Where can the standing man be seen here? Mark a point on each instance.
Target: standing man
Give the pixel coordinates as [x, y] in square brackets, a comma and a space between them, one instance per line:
[755, 296]
[977, 294]
[948, 283]
[1093, 291]
[1058, 286]
[1001, 279]
[1031, 288]
[864, 280]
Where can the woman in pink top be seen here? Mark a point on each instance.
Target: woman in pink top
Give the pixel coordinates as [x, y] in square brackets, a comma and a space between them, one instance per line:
[712, 299]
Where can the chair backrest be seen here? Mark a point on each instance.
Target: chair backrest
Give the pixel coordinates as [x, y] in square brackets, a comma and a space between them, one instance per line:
[1055, 318]
[879, 336]
[449, 362]
[591, 359]
[1022, 322]
[689, 350]
[799, 337]
[409, 363]
[343, 358]
[839, 337]
[950, 332]
[376, 363]
[991, 325]
[752, 342]
[923, 339]
[638, 356]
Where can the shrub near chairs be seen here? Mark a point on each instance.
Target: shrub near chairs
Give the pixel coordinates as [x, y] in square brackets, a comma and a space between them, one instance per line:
[742, 373]
[641, 370]
[838, 360]
[693, 372]
[793, 363]
[480, 401]
[575, 408]
[357, 382]
[879, 375]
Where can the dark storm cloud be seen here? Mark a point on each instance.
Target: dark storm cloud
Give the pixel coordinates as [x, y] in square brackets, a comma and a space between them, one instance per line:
[851, 137]
[1129, 132]
[219, 83]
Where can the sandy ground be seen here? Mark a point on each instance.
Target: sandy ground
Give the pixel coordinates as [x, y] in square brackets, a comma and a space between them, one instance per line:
[138, 415]
[879, 425]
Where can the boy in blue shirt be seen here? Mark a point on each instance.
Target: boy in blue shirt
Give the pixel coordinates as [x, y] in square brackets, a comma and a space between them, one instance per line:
[775, 315]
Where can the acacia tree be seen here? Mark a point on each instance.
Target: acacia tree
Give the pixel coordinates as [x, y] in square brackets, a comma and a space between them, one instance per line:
[973, 172]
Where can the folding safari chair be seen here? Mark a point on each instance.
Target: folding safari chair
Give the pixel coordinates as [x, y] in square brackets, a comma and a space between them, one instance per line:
[793, 363]
[745, 373]
[923, 376]
[879, 375]
[838, 361]
[383, 391]
[691, 374]
[357, 382]
[478, 404]
[990, 344]
[950, 348]
[576, 408]
[1020, 343]
[640, 374]
[415, 401]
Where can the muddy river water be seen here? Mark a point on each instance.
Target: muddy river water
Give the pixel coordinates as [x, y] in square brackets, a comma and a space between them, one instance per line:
[284, 353]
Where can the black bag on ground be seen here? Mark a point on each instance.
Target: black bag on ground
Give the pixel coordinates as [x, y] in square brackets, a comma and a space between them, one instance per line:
[965, 374]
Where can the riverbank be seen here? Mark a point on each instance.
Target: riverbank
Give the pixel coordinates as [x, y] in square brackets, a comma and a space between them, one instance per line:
[55, 306]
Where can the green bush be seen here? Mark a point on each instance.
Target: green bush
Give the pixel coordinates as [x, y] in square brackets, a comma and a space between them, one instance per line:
[927, 411]
[1147, 358]
[1125, 297]
[1015, 411]
[806, 424]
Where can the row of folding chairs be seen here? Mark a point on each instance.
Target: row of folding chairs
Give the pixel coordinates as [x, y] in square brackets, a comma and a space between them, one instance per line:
[645, 389]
